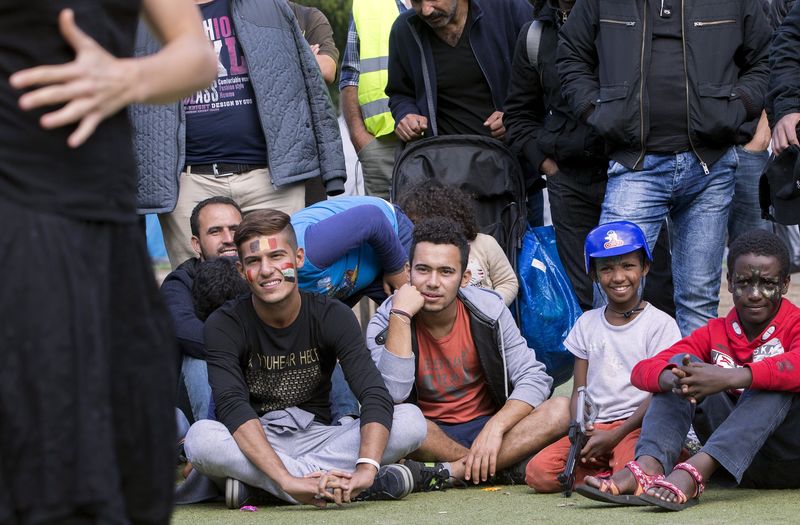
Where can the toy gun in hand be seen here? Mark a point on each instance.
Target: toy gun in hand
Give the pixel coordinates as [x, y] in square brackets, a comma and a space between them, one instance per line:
[585, 414]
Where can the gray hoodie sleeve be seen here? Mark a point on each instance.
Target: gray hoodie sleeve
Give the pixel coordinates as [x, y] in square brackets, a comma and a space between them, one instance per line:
[398, 372]
[530, 382]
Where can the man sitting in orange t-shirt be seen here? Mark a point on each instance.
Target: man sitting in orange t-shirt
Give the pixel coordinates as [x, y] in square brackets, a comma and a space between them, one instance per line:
[456, 352]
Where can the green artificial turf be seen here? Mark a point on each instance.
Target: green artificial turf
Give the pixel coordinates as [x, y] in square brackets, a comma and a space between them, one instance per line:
[510, 505]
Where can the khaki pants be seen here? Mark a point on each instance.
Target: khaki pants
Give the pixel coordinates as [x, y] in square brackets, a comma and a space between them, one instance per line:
[252, 190]
[377, 164]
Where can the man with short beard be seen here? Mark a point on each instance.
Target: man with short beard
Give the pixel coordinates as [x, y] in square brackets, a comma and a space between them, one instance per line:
[213, 224]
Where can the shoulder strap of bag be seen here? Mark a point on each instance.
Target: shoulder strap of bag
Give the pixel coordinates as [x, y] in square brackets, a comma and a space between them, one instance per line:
[534, 40]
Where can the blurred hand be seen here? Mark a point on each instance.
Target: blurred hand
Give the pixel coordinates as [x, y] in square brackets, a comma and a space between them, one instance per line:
[548, 167]
[394, 281]
[495, 125]
[91, 88]
[785, 132]
[412, 127]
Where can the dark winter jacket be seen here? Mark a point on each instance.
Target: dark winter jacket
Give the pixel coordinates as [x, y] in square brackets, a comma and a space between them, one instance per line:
[784, 61]
[177, 293]
[538, 120]
[778, 10]
[412, 75]
[604, 52]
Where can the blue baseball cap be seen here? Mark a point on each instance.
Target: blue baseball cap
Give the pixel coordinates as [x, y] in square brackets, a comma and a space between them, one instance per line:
[614, 238]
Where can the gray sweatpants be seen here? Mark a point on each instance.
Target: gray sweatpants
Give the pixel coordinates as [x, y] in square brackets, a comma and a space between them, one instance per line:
[213, 451]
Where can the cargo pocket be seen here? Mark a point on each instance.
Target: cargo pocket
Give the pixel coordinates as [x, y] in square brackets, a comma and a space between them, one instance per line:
[609, 114]
[720, 113]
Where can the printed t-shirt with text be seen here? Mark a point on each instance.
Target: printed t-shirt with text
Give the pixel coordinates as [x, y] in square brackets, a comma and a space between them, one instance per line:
[222, 121]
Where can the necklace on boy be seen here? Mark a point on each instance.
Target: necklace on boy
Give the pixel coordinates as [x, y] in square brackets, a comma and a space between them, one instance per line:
[629, 313]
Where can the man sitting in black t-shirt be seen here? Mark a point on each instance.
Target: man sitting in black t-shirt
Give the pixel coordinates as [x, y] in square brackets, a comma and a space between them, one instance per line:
[270, 358]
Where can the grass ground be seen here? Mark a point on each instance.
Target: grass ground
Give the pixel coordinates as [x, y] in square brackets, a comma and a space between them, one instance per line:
[508, 505]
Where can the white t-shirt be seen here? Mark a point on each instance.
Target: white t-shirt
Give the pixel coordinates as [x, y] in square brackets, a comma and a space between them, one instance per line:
[613, 351]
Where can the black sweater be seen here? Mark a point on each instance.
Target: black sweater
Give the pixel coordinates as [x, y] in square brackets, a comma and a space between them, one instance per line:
[254, 368]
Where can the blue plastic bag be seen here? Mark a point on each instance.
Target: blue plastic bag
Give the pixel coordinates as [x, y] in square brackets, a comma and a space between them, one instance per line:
[548, 306]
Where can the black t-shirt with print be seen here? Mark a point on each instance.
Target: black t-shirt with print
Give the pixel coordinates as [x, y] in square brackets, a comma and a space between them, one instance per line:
[254, 368]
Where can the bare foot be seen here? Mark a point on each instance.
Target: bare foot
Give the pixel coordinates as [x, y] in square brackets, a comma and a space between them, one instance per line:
[679, 478]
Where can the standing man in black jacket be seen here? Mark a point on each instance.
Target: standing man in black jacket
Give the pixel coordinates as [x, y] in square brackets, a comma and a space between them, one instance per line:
[784, 82]
[543, 129]
[672, 86]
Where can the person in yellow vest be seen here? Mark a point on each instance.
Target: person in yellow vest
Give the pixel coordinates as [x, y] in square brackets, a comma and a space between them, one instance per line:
[361, 84]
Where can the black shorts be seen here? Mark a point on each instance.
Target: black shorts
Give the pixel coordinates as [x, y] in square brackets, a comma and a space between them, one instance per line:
[87, 374]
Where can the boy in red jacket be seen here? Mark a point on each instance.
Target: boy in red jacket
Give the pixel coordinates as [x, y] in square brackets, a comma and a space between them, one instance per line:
[736, 379]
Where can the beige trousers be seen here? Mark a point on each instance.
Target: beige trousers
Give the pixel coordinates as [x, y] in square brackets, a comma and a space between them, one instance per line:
[252, 190]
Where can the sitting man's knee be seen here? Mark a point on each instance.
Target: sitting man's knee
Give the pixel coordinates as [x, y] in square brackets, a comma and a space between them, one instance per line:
[539, 475]
[202, 441]
[414, 425]
[556, 410]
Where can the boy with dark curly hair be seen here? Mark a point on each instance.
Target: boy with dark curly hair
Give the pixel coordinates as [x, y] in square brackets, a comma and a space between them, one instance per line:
[487, 262]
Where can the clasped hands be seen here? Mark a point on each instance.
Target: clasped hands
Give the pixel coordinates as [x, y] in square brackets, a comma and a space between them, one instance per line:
[332, 486]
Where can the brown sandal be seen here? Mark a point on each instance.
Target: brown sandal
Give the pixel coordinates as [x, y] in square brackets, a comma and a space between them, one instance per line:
[608, 492]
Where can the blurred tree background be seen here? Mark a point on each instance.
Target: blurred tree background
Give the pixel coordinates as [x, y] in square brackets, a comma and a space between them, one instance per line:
[338, 13]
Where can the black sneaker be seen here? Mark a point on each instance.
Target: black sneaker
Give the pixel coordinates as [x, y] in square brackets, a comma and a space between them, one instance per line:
[428, 476]
[508, 476]
[392, 482]
[238, 494]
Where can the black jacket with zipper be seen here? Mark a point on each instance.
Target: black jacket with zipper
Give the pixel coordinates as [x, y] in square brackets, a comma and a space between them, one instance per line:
[538, 120]
[784, 81]
[604, 53]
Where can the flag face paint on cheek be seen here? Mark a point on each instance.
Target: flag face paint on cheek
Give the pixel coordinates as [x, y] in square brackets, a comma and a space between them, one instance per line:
[252, 274]
[289, 272]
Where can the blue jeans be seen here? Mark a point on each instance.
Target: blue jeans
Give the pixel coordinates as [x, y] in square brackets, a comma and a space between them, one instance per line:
[745, 210]
[194, 373]
[697, 205]
[343, 402]
[755, 438]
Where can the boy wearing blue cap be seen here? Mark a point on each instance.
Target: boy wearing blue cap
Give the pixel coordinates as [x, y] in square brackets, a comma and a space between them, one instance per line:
[607, 342]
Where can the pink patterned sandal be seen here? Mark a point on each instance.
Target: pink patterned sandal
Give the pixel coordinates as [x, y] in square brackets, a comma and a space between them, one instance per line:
[608, 492]
[682, 502]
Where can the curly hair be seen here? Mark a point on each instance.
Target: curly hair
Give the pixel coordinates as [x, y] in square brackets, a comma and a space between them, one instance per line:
[440, 230]
[433, 199]
[760, 242]
[215, 282]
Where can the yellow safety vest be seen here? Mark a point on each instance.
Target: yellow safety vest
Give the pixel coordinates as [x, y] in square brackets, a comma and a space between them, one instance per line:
[373, 20]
